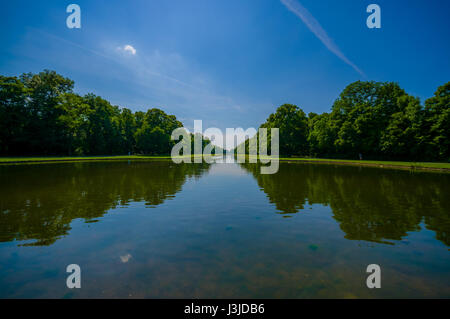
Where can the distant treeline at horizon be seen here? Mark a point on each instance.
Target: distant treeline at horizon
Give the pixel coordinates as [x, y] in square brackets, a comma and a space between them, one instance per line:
[40, 115]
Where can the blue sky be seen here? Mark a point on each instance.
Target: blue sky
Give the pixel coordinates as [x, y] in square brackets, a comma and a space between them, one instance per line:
[229, 63]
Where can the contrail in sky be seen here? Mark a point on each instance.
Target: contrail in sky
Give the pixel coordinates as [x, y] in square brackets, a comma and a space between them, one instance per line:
[315, 27]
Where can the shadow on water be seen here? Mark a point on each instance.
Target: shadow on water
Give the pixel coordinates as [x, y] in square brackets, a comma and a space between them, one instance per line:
[370, 204]
[39, 202]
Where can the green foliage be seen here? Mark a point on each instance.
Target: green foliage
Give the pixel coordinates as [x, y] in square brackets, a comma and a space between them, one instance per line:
[40, 115]
[375, 119]
[361, 114]
[152, 140]
[14, 117]
[293, 125]
[402, 137]
[75, 119]
[293, 131]
[321, 135]
[438, 122]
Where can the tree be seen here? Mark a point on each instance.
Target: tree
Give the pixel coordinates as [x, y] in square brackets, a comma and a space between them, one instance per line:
[321, 135]
[104, 135]
[151, 140]
[40, 115]
[402, 138]
[14, 116]
[127, 125]
[438, 123]
[43, 132]
[75, 120]
[158, 118]
[153, 137]
[293, 125]
[361, 113]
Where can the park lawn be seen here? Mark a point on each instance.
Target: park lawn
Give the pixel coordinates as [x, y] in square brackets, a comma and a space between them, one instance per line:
[48, 159]
[393, 164]
[5, 160]
[424, 165]
[370, 162]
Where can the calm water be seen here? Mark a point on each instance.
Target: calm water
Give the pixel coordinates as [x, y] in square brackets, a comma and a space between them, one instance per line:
[161, 230]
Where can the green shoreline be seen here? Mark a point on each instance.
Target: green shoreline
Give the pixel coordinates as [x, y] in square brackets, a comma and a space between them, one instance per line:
[25, 160]
[428, 166]
[380, 164]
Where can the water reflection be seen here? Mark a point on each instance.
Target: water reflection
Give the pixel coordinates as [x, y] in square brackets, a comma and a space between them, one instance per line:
[221, 237]
[370, 204]
[39, 202]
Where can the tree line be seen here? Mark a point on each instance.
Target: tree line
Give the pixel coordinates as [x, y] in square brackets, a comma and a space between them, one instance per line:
[41, 115]
[373, 120]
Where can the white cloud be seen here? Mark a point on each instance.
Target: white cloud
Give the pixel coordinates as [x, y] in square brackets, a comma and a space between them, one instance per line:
[167, 81]
[128, 49]
[315, 27]
[125, 258]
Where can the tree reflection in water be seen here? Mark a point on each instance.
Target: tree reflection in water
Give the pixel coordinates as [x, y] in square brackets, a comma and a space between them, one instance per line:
[371, 204]
[39, 202]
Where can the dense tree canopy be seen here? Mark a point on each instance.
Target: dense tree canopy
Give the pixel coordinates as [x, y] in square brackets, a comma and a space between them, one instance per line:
[437, 122]
[41, 115]
[293, 125]
[361, 114]
[375, 119]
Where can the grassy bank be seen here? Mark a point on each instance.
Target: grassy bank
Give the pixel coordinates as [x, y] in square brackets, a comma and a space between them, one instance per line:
[12, 160]
[388, 164]
[382, 164]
